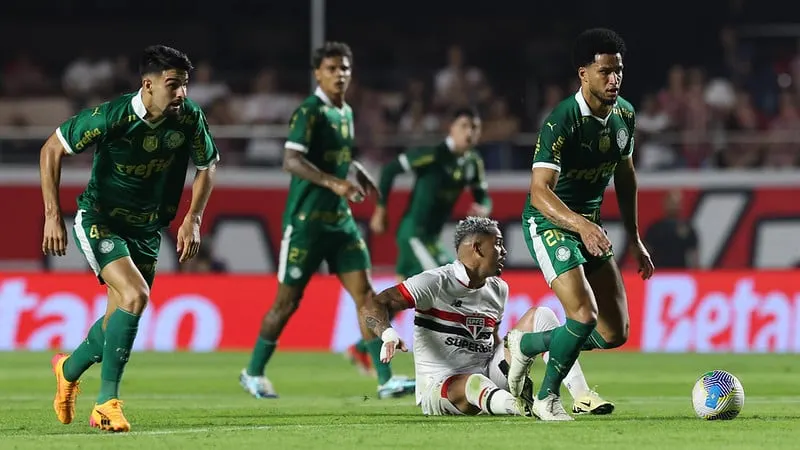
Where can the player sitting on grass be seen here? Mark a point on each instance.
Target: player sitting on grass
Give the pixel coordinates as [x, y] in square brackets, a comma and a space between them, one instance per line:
[461, 368]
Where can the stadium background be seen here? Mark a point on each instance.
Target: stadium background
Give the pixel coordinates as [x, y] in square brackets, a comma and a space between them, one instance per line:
[716, 85]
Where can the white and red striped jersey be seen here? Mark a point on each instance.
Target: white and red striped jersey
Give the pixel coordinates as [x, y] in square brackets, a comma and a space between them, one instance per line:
[453, 325]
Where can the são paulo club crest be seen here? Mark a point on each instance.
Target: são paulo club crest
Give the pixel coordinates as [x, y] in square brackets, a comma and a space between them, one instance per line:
[475, 325]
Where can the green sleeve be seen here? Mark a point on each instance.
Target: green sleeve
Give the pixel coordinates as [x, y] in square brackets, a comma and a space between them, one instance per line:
[204, 150]
[417, 159]
[551, 140]
[479, 186]
[388, 174]
[300, 129]
[84, 129]
[627, 152]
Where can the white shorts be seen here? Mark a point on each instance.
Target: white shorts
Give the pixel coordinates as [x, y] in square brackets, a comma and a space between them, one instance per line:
[433, 395]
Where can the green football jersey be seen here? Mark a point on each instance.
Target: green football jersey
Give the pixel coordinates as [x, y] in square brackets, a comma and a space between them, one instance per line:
[440, 178]
[139, 167]
[585, 150]
[325, 134]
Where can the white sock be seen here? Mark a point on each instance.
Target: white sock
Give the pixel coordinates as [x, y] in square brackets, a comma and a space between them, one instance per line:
[545, 319]
[574, 381]
[483, 393]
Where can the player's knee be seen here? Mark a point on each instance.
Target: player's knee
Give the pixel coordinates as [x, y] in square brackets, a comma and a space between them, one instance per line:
[134, 299]
[585, 312]
[618, 337]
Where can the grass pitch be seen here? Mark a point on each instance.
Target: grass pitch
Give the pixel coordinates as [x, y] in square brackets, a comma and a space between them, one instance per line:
[181, 400]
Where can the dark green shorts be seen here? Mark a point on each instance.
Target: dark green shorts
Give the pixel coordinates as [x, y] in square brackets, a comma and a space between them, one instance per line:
[102, 243]
[305, 245]
[557, 251]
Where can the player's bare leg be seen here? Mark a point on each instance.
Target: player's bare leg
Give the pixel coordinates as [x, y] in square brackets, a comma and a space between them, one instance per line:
[613, 321]
[573, 290]
[359, 286]
[585, 400]
[474, 394]
[252, 378]
[130, 296]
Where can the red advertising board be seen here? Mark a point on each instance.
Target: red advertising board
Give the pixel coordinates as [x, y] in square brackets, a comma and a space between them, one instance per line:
[726, 311]
[737, 227]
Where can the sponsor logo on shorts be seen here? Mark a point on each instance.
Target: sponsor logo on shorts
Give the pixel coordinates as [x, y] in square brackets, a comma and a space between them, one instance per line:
[466, 344]
[106, 245]
[563, 253]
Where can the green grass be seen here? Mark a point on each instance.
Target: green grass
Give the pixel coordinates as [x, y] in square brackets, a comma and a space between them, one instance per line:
[179, 401]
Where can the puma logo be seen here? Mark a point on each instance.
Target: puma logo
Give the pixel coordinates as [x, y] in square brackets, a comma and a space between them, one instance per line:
[551, 125]
[587, 146]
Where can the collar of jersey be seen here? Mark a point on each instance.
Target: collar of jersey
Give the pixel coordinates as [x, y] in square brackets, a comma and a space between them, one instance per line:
[319, 93]
[586, 112]
[141, 111]
[461, 274]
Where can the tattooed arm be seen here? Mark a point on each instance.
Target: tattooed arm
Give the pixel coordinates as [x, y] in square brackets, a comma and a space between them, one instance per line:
[377, 310]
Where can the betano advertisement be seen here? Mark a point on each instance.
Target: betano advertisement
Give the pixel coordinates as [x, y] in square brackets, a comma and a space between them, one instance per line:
[725, 311]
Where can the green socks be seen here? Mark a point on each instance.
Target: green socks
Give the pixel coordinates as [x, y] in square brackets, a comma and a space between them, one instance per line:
[361, 346]
[533, 344]
[262, 352]
[120, 334]
[566, 342]
[89, 352]
[384, 370]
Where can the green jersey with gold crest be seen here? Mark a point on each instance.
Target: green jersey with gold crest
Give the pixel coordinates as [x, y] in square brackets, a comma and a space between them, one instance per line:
[585, 150]
[139, 167]
[440, 177]
[324, 134]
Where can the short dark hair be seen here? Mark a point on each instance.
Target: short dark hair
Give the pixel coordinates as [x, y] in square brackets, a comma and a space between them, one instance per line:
[331, 50]
[468, 112]
[471, 226]
[158, 58]
[596, 41]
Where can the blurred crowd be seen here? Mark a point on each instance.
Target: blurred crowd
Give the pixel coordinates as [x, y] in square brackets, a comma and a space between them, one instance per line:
[740, 111]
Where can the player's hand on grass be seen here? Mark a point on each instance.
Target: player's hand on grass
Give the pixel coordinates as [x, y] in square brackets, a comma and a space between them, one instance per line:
[595, 239]
[378, 222]
[54, 242]
[391, 343]
[348, 190]
[476, 209]
[643, 259]
[188, 240]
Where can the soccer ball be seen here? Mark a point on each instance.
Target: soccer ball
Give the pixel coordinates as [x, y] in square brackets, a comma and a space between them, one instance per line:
[718, 395]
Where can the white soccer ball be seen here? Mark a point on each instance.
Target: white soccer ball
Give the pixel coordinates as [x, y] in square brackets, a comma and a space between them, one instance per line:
[717, 395]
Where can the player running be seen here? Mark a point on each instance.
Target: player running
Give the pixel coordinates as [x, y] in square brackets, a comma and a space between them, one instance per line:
[317, 222]
[587, 139]
[143, 143]
[460, 366]
[441, 175]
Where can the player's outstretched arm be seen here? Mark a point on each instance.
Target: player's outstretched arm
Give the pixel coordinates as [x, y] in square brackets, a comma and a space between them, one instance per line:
[375, 314]
[545, 200]
[54, 241]
[189, 231]
[379, 222]
[626, 188]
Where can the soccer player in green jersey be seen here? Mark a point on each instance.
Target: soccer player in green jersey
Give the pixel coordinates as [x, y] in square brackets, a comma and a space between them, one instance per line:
[317, 222]
[586, 140]
[143, 144]
[441, 173]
